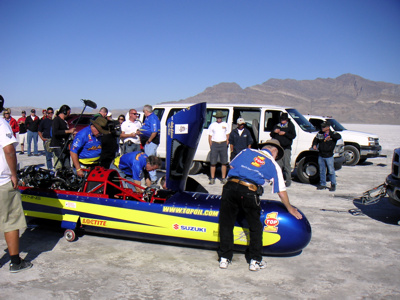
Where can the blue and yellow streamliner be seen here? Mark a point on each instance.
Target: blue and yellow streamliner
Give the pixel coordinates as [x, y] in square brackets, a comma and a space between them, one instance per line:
[171, 216]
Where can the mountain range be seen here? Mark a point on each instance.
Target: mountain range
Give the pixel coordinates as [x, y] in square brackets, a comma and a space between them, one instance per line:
[348, 98]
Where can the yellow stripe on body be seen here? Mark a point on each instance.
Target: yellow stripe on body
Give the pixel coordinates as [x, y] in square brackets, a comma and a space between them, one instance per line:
[89, 161]
[152, 223]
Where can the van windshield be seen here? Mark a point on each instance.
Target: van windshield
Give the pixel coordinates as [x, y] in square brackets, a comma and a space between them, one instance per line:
[304, 124]
[336, 125]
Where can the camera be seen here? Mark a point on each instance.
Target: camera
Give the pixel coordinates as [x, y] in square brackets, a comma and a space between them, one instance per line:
[115, 127]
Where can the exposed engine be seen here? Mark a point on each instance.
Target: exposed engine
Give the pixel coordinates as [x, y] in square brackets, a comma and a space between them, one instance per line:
[34, 176]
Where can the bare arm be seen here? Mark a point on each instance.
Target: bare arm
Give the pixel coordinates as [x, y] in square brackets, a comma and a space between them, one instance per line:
[41, 136]
[11, 158]
[77, 165]
[285, 200]
[151, 138]
[127, 135]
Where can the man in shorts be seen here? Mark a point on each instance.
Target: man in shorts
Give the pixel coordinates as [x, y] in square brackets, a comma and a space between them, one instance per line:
[218, 138]
[12, 217]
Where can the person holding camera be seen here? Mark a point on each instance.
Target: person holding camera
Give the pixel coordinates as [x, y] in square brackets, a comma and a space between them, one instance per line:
[250, 170]
[129, 132]
[60, 137]
[109, 142]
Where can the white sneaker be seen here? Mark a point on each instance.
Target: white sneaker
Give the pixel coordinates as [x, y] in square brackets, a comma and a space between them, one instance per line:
[224, 262]
[257, 265]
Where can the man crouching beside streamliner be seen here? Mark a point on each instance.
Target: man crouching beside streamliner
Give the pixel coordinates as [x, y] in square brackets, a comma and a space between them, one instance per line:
[242, 193]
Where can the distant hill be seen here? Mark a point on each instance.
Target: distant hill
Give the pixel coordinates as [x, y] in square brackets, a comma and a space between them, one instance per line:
[348, 98]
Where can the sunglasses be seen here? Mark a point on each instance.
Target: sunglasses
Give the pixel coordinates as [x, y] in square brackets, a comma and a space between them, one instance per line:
[121, 119]
[50, 112]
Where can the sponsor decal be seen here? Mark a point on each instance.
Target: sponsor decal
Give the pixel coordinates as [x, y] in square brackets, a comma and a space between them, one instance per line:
[94, 147]
[181, 128]
[189, 228]
[9, 135]
[32, 197]
[243, 236]
[258, 161]
[271, 222]
[190, 211]
[138, 155]
[86, 221]
[170, 129]
[70, 204]
[76, 144]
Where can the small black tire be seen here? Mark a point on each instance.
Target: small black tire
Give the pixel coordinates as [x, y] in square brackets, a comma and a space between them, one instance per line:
[195, 168]
[351, 155]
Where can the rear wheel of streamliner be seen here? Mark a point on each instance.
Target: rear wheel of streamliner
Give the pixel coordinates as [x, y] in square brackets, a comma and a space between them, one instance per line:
[69, 235]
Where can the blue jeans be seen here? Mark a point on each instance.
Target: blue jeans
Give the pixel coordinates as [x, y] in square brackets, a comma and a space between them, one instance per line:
[323, 163]
[32, 135]
[132, 148]
[49, 158]
[151, 149]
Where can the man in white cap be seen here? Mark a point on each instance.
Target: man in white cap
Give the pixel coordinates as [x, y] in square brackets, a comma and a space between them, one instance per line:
[240, 138]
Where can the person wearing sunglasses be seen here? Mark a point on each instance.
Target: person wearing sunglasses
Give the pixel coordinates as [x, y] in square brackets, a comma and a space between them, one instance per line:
[44, 134]
[121, 119]
[129, 132]
[10, 120]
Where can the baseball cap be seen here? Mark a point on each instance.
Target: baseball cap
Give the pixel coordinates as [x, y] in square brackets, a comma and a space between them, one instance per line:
[33, 110]
[240, 121]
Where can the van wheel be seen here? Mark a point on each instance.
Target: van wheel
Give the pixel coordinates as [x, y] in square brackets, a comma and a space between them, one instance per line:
[352, 155]
[308, 170]
[195, 168]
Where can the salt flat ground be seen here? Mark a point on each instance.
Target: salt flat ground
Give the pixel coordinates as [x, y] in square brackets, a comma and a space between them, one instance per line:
[354, 252]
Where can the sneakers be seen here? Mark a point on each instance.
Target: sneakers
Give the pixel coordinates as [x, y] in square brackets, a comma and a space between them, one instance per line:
[257, 265]
[224, 263]
[321, 187]
[224, 180]
[332, 188]
[23, 265]
[21, 153]
[212, 181]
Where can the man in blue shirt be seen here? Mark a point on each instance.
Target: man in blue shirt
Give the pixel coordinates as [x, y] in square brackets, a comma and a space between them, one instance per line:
[250, 170]
[150, 135]
[137, 164]
[86, 146]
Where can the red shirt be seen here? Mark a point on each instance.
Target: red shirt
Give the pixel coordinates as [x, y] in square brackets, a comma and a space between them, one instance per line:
[14, 125]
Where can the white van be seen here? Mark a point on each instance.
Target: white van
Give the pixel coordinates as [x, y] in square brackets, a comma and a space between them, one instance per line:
[358, 146]
[260, 119]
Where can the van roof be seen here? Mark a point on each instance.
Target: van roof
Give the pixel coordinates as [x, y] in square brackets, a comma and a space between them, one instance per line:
[220, 105]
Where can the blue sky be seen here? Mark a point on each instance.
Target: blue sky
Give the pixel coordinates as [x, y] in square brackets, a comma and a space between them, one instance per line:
[127, 53]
